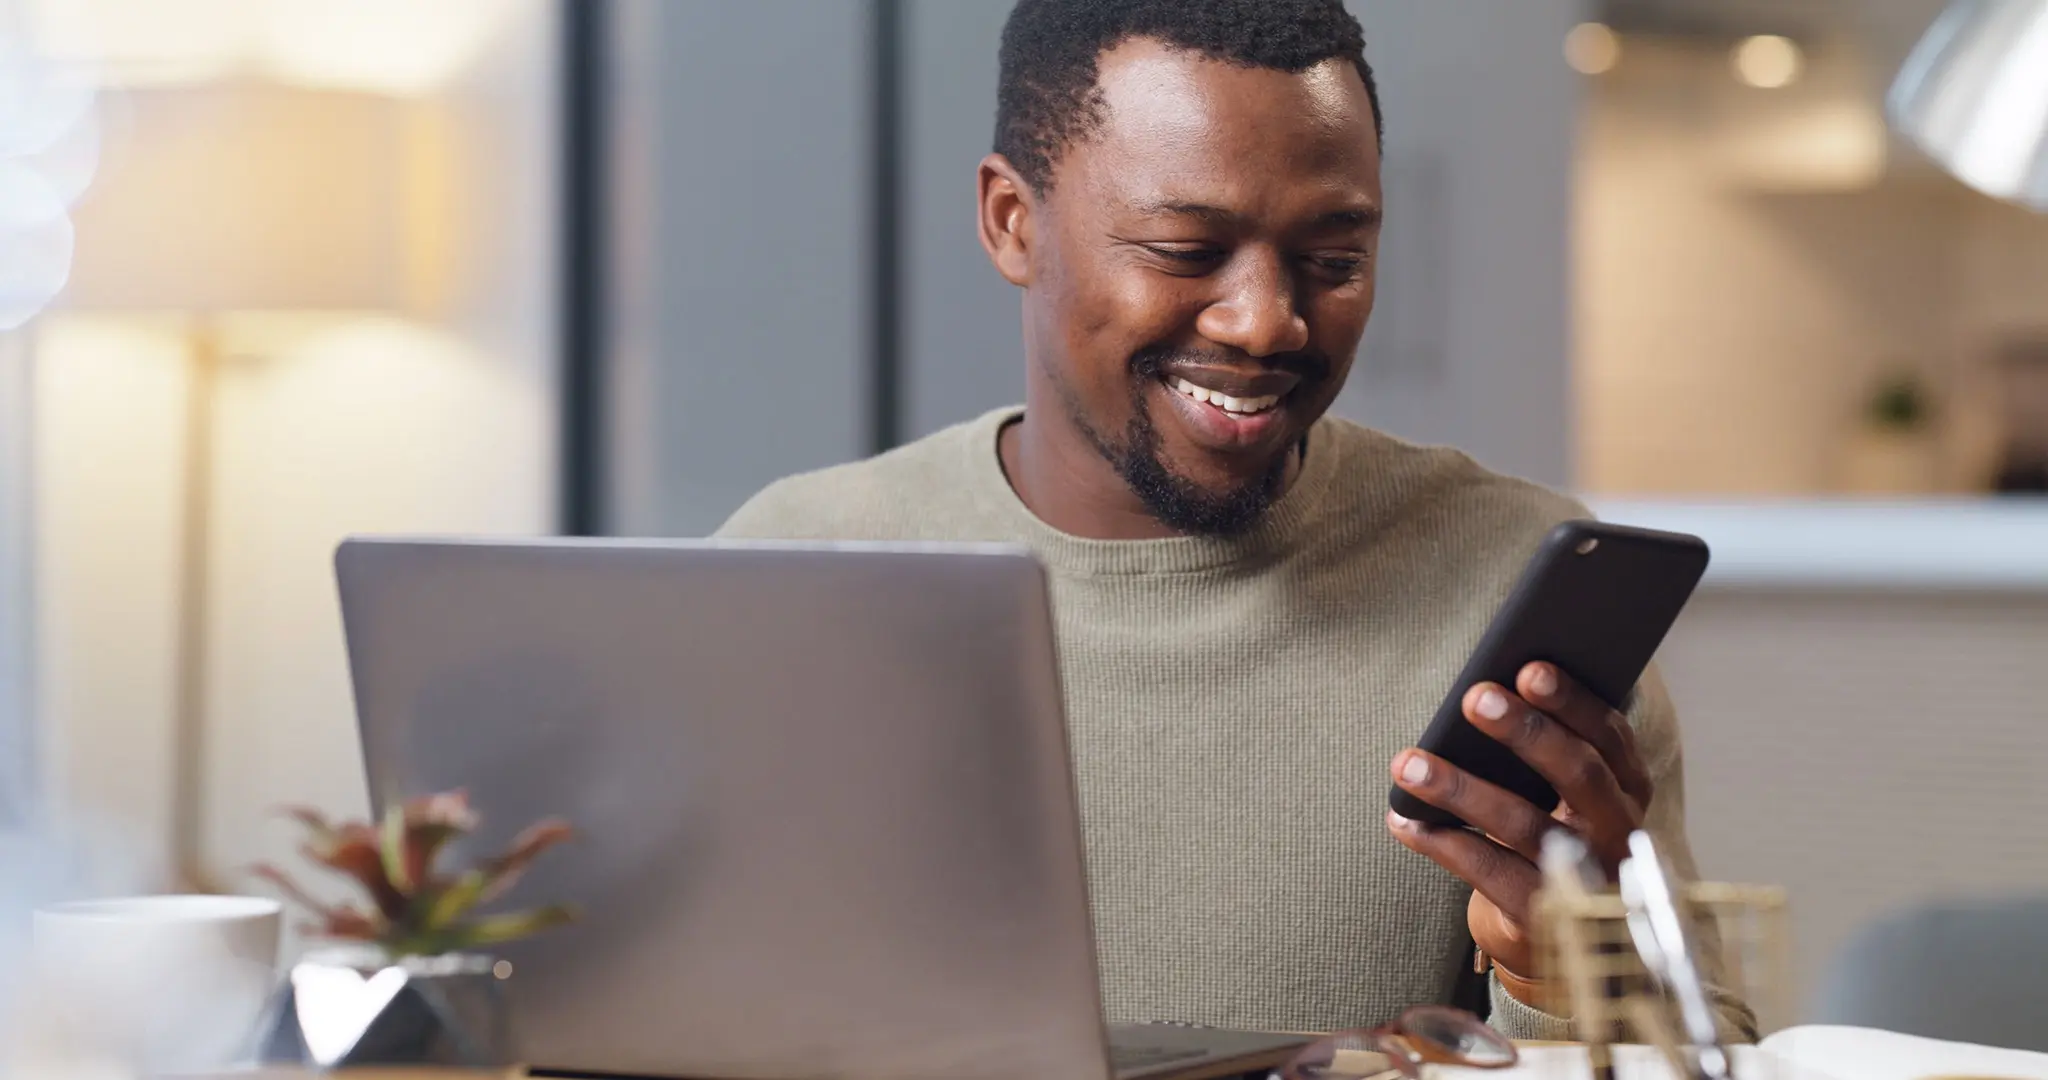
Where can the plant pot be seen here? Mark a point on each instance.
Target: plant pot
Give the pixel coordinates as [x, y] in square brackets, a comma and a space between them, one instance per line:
[355, 1007]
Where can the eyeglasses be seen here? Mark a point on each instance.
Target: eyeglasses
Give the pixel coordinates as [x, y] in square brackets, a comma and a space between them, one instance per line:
[1423, 1035]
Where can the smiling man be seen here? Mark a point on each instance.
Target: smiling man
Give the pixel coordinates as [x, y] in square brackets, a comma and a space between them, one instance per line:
[1258, 605]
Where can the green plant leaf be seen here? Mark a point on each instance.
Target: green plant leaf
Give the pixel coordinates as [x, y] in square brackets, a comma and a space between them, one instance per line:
[392, 851]
[499, 929]
[455, 901]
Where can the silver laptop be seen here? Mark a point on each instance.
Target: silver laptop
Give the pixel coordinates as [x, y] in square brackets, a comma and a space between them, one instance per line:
[828, 827]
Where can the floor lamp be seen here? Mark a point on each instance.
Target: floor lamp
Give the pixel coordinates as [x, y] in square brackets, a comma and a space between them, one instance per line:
[229, 201]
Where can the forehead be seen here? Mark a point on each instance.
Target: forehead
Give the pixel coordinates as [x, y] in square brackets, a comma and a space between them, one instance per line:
[1176, 123]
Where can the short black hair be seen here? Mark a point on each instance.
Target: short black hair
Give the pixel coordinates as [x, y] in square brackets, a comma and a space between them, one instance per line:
[1047, 97]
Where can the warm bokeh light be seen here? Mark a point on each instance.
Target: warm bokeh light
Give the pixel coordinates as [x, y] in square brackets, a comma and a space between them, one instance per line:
[148, 42]
[396, 47]
[1767, 61]
[1592, 48]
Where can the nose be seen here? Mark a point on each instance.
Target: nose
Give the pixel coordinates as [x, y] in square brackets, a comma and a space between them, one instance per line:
[1257, 312]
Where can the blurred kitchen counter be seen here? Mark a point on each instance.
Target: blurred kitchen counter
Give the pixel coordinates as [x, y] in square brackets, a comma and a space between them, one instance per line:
[1972, 544]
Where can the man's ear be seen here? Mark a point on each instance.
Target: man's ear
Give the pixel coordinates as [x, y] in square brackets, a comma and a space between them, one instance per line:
[1008, 218]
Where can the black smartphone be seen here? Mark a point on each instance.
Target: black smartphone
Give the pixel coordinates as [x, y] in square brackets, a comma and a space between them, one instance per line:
[1596, 600]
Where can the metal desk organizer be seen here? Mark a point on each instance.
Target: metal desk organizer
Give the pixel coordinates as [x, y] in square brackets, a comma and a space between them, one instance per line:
[1630, 961]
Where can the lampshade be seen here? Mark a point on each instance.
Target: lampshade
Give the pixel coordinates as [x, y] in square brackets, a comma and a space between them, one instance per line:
[238, 198]
[1973, 95]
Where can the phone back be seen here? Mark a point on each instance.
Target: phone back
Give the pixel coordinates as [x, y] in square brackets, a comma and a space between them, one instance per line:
[1597, 601]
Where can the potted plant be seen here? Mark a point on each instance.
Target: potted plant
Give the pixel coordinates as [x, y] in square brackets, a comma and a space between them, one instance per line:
[411, 978]
[1893, 451]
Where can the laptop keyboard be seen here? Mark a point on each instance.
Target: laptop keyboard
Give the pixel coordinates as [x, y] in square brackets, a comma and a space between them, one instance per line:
[1144, 1057]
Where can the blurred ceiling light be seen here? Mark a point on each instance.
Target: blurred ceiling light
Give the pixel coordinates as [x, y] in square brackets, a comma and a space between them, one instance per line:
[1767, 61]
[1974, 96]
[1822, 146]
[1592, 48]
[147, 42]
[395, 47]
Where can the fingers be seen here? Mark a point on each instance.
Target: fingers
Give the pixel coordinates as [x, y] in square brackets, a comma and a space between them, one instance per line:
[1558, 694]
[1509, 819]
[1580, 773]
[1500, 875]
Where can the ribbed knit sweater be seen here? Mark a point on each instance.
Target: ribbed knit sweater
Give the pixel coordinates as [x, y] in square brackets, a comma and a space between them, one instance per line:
[1233, 705]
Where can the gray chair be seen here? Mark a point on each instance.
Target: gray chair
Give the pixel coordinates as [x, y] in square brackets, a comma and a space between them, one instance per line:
[1968, 971]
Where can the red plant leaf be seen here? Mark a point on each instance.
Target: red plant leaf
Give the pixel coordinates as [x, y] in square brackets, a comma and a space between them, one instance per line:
[286, 885]
[348, 924]
[431, 823]
[449, 809]
[504, 871]
[314, 821]
[353, 851]
[334, 921]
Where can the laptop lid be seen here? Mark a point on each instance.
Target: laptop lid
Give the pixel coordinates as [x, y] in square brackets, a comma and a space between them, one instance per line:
[827, 824]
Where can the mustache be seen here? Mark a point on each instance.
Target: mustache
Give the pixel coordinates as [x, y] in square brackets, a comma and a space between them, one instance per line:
[1152, 360]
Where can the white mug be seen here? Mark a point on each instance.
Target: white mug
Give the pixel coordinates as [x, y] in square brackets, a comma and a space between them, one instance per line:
[161, 984]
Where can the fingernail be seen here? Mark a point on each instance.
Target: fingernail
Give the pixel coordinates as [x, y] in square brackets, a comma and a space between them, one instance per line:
[1415, 770]
[1396, 821]
[1493, 705]
[1543, 681]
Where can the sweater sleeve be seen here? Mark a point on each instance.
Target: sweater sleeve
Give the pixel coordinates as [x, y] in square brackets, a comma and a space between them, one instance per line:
[1655, 721]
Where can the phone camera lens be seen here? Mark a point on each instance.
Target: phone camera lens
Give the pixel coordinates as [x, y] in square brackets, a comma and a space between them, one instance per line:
[1586, 546]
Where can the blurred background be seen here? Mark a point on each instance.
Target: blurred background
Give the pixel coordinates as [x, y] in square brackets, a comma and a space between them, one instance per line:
[276, 271]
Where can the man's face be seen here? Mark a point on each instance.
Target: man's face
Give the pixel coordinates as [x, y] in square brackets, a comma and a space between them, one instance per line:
[1203, 272]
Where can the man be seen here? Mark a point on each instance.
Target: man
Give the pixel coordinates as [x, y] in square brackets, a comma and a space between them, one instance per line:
[1258, 606]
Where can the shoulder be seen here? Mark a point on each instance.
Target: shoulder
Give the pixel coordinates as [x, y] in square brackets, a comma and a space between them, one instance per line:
[893, 495]
[1442, 496]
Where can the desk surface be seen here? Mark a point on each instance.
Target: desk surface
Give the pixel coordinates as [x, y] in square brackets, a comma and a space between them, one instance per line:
[445, 1073]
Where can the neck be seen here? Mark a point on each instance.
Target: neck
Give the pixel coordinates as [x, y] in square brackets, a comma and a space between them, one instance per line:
[1061, 478]
[1069, 486]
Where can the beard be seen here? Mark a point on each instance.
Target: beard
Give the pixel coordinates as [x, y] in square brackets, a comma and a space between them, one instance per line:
[1174, 500]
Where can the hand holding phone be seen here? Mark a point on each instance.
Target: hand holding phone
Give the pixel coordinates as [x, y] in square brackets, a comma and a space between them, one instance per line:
[1537, 717]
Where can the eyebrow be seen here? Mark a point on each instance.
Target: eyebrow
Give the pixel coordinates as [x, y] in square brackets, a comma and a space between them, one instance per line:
[1216, 215]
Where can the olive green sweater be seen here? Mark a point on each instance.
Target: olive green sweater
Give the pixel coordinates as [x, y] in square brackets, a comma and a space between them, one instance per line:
[1233, 706]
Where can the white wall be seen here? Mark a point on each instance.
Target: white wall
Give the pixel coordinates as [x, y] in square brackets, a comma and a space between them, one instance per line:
[436, 419]
[108, 401]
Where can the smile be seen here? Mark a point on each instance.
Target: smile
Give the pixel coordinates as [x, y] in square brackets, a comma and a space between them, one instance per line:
[1241, 406]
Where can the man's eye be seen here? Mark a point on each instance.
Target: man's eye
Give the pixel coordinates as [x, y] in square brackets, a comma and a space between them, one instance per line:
[1344, 265]
[1192, 254]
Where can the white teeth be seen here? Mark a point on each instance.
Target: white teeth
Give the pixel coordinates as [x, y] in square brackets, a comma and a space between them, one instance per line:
[1225, 401]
